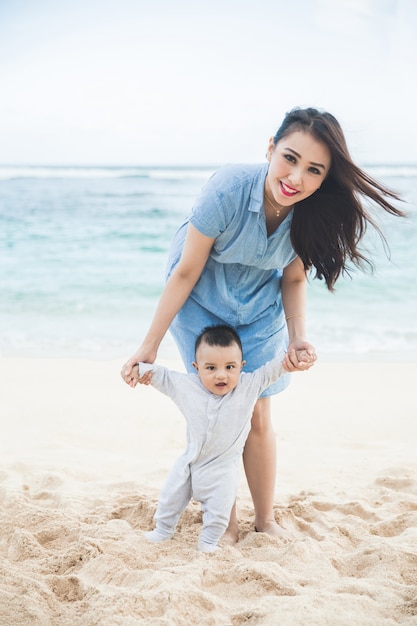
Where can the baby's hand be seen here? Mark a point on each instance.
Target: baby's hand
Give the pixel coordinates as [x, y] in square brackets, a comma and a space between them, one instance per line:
[133, 376]
[299, 360]
[304, 356]
[144, 376]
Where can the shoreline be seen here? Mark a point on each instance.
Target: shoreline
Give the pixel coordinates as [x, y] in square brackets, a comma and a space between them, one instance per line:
[172, 356]
[345, 400]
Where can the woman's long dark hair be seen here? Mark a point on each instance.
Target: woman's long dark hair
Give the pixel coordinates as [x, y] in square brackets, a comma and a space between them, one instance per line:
[328, 226]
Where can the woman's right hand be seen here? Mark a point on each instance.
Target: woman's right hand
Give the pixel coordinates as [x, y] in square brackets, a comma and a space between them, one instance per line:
[144, 355]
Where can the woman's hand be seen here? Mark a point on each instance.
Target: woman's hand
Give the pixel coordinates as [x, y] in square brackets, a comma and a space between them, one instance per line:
[178, 287]
[144, 355]
[300, 356]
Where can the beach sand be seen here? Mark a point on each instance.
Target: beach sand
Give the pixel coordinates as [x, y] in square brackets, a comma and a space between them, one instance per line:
[83, 457]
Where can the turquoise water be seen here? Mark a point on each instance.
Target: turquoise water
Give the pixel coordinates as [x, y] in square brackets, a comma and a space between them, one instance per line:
[83, 251]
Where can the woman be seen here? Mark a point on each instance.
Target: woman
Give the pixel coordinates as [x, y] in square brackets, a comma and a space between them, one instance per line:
[242, 258]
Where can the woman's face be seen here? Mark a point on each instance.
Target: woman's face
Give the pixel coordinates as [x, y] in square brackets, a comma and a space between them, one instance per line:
[298, 166]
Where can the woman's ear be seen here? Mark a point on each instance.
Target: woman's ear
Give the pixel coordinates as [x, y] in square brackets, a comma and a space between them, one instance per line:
[271, 147]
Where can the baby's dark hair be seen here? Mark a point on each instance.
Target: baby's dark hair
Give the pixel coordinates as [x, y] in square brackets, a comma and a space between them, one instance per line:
[221, 335]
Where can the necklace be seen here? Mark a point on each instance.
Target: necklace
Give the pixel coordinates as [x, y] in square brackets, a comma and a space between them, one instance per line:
[277, 207]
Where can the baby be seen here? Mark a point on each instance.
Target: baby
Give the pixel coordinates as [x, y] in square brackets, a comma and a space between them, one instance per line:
[217, 403]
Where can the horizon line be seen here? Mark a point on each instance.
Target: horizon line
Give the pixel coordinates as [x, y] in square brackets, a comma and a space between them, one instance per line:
[176, 165]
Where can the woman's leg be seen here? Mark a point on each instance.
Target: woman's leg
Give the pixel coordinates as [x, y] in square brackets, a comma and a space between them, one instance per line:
[231, 535]
[259, 458]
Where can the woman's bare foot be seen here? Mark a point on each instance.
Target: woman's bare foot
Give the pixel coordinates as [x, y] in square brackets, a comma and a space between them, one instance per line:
[273, 529]
[231, 536]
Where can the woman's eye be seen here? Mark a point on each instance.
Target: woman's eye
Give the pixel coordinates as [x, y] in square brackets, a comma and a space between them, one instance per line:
[289, 157]
[314, 170]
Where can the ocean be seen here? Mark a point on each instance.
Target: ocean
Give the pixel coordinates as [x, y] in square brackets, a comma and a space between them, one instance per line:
[83, 252]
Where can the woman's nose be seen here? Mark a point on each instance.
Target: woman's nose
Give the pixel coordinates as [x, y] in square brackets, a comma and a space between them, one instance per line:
[295, 177]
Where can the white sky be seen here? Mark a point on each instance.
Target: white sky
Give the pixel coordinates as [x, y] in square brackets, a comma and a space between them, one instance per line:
[190, 82]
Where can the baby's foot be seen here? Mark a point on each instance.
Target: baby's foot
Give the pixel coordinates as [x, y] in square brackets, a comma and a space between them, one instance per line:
[208, 548]
[156, 536]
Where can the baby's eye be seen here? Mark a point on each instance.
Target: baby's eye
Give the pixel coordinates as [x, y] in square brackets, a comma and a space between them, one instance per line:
[210, 367]
[230, 367]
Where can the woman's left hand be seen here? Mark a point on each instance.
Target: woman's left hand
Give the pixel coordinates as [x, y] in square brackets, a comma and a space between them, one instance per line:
[294, 361]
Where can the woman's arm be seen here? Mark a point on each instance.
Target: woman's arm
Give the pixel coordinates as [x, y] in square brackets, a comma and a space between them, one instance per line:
[293, 289]
[178, 287]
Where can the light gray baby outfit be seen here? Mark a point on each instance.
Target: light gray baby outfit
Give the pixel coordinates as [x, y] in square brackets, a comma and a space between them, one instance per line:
[217, 429]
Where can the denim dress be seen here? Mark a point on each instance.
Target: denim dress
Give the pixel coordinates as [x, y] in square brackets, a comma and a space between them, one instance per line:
[241, 282]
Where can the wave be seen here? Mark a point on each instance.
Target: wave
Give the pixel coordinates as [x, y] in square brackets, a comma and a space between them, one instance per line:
[85, 172]
[169, 173]
[25, 172]
[397, 171]
[183, 173]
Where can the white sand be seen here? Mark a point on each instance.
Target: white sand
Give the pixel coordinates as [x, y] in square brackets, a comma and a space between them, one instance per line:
[82, 460]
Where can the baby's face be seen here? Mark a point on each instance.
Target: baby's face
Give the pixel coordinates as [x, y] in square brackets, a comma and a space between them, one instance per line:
[219, 368]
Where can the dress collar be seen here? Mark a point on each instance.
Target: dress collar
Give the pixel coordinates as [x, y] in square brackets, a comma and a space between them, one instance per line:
[257, 192]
